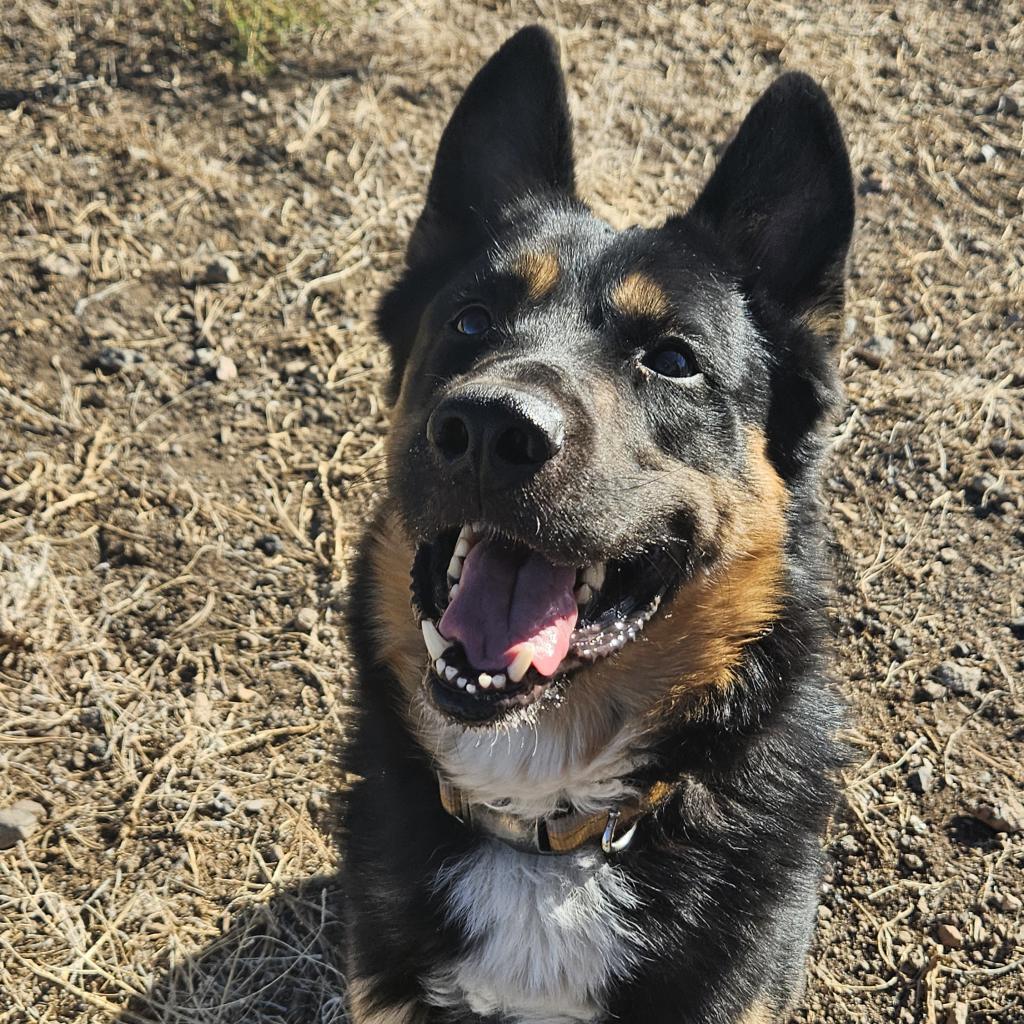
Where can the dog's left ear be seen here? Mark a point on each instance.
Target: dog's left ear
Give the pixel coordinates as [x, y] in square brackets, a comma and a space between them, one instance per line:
[781, 201]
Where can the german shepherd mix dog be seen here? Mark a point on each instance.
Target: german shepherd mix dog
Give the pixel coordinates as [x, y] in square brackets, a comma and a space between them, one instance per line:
[595, 753]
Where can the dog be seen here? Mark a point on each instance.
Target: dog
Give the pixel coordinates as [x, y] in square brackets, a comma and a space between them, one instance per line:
[593, 738]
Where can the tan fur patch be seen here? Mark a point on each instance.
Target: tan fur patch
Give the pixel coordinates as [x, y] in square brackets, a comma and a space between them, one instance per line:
[539, 270]
[696, 643]
[365, 1009]
[639, 296]
[759, 1013]
[399, 640]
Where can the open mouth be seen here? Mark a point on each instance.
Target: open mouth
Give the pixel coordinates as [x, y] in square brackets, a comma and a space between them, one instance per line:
[505, 626]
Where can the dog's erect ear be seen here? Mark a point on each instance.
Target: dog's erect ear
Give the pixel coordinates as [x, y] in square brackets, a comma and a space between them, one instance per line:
[781, 201]
[510, 136]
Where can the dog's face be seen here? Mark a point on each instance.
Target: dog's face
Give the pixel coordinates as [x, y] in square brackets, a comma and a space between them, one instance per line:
[596, 432]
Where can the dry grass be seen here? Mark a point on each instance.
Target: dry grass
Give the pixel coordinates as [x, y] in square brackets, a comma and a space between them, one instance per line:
[173, 544]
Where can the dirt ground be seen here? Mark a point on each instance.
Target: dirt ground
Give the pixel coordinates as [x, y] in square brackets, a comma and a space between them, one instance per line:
[191, 422]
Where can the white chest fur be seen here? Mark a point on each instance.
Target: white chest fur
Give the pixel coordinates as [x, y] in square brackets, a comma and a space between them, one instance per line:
[545, 934]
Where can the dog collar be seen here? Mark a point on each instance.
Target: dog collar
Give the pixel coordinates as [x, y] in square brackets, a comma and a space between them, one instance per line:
[614, 828]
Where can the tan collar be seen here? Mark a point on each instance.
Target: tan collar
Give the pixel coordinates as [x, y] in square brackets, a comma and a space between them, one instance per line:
[557, 833]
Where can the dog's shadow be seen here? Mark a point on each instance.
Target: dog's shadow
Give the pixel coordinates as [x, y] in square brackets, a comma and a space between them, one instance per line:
[278, 963]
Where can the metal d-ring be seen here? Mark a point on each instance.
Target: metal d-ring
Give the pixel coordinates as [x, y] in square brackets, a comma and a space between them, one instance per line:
[609, 844]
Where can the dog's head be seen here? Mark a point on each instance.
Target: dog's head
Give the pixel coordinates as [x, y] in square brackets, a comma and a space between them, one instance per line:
[598, 434]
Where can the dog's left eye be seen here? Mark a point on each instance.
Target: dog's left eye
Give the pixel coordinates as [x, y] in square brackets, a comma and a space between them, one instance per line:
[473, 320]
[671, 360]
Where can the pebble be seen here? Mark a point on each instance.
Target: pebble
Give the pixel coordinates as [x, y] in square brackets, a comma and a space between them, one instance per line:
[305, 618]
[875, 350]
[19, 821]
[255, 807]
[989, 153]
[1010, 903]
[848, 844]
[225, 369]
[960, 679]
[949, 555]
[930, 691]
[950, 936]
[920, 330]
[1005, 816]
[270, 544]
[58, 266]
[922, 779]
[112, 360]
[221, 270]
[958, 1013]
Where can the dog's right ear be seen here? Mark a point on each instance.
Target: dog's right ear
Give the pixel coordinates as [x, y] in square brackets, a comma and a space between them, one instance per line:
[509, 137]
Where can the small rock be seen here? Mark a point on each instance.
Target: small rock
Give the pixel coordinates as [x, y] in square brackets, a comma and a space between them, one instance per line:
[930, 691]
[988, 153]
[950, 936]
[295, 367]
[901, 647]
[113, 360]
[875, 350]
[957, 1013]
[58, 266]
[204, 356]
[19, 821]
[305, 619]
[1006, 104]
[225, 369]
[221, 270]
[921, 779]
[949, 555]
[254, 807]
[959, 679]
[270, 544]
[1005, 816]
[848, 844]
[917, 825]
[824, 914]
[913, 862]
[1010, 903]
[920, 330]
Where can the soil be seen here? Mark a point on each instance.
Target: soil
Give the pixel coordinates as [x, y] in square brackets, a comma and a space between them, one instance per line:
[192, 421]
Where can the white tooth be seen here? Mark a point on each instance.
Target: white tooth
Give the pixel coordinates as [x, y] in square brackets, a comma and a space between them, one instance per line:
[498, 681]
[461, 682]
[450, 673]
[470, 688]
[583, 594]
[436, 644]
[594, 575]
[440, 665]
[454, 590]
[484, 680]
[522, 661]
[462, 548]
[455, 567]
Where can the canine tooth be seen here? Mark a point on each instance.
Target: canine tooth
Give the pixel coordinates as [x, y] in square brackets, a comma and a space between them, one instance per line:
[450, 673]
[484, 680]
[461, 682]
[498, 681]
[455, 567]
[462, 548]
[454, 590]
[594, 575]
[440, 665]
[436, 644]
[470, 688]
[583, 594]
[522, 661]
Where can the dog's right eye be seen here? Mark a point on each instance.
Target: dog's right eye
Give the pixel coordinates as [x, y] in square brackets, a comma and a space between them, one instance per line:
[473, 320]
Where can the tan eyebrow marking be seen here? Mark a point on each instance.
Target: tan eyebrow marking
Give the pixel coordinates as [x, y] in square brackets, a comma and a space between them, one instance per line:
[637, 295]
[540, 271]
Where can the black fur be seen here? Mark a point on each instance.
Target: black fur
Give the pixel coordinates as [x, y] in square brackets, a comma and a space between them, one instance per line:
[728, 868]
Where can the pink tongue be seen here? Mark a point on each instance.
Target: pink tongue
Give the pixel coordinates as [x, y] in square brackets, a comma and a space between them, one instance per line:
[506, 600]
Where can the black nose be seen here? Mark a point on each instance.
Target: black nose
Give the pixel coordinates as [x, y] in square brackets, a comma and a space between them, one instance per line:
[499, 436]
